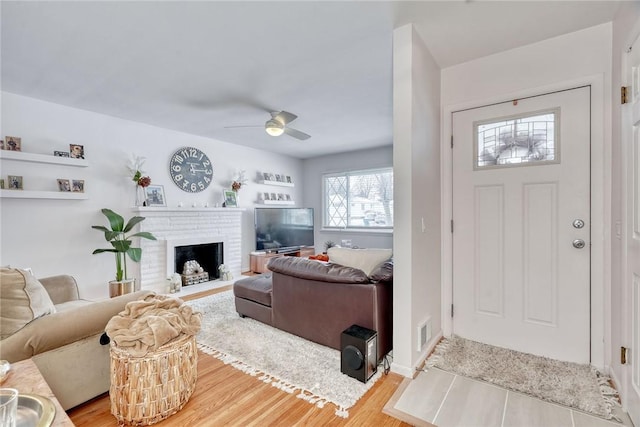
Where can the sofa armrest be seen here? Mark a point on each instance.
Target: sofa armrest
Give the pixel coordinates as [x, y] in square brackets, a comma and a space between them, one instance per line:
[61, 288]
[303, 268]
[62, 328]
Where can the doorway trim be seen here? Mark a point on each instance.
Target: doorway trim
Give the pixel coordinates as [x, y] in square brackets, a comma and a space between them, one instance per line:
[600, 215]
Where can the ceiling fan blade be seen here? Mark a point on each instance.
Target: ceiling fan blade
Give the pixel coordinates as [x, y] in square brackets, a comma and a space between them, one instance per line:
[244, 126]
[296, 134]
[284, 117]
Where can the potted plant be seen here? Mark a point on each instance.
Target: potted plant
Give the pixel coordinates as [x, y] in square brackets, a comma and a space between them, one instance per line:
[121, 246]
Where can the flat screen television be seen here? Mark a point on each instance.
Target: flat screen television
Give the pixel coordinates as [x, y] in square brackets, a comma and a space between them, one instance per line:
[283, 229]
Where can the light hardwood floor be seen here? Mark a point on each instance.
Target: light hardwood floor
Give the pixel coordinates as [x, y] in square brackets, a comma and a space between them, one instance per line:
[224, 396]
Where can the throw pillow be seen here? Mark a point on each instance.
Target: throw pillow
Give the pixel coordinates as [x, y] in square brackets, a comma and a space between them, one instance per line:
[364, 259]
[22, 299]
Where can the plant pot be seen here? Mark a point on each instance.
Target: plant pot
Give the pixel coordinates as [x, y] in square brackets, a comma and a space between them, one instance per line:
[117, 288]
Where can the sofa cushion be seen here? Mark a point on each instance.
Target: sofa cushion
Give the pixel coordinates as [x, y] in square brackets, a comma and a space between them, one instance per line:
[364, 259]
[383, 272]
[22, 299]
[314, 270]
[256, 288]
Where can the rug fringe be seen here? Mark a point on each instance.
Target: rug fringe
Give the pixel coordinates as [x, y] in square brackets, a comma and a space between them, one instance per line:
[609, 394]
[438, 351]
[304, 394]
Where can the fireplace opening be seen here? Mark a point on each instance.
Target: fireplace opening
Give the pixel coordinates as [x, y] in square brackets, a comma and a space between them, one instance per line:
[208, 255]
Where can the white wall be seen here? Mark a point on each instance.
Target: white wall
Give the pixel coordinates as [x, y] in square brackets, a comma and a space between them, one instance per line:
[350, 161]
[626, 27]
[416, 158]
[55, 236]
[582, 57]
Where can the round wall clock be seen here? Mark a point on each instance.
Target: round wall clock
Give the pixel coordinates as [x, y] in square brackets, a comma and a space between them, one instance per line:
[191, 169]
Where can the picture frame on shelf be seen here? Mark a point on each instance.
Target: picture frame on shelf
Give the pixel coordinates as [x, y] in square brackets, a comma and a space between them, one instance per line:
[76, 151]
[266, 196]
[272, 177]
[280, 197]
[1, 144]
[57, 153]
[288, 180]
[13, 143]
[15, 182]
[230, 199]
[273, 196]
[155, 195]
[278, 178]
[64, 185]
[287, 197]
[266, 176]
[1, 183]
[77, 186]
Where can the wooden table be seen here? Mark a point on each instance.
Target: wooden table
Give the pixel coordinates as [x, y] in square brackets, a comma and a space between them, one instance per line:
[26, 378]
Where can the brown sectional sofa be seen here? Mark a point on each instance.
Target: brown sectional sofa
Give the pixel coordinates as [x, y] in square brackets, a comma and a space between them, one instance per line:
[317, 301]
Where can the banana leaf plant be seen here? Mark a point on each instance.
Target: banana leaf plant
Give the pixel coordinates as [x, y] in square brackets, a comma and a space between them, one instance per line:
[120, 241]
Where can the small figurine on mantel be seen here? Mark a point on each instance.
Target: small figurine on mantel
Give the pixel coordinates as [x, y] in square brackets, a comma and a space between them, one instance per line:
[175, 283]
[225, 274]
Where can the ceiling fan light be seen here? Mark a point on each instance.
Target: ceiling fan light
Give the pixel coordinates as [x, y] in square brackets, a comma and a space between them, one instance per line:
[274, 128]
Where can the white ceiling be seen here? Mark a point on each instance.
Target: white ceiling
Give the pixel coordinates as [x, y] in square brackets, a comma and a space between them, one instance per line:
[197, 67]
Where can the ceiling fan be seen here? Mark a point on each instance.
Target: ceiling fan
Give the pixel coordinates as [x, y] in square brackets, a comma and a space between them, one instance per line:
[277, 125]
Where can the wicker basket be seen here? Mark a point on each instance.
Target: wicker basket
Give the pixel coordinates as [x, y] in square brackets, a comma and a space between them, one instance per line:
[146, 390]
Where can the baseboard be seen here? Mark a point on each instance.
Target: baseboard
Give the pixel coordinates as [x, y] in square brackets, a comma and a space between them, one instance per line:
[411, 372]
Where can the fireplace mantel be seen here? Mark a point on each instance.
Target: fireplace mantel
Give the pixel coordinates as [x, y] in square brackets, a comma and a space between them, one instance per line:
[170, 224]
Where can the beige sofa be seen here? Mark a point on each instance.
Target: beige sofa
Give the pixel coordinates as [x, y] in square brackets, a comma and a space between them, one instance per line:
[65, 345]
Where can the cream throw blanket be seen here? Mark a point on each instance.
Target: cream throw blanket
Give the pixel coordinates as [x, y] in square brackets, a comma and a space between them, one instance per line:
[147, 324]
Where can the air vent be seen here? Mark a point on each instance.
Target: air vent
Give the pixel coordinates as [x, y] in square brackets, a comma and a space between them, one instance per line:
[424, 334]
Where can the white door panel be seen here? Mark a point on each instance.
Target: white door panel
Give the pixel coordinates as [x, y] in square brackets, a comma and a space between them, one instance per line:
[518, 280]
[631, 241]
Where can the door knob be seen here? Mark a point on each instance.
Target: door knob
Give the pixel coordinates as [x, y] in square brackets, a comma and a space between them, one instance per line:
[578, 243]
[578, 223]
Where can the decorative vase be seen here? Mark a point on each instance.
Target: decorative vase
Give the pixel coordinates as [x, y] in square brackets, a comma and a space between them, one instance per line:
[126, 286]
[140, 196]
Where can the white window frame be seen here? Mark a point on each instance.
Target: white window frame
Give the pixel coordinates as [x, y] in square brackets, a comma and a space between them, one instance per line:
[325, 226]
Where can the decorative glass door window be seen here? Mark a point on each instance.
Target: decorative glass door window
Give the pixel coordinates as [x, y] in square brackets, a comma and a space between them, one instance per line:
[523, 140]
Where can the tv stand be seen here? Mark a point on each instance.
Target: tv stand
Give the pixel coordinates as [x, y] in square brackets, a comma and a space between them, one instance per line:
[258, 261]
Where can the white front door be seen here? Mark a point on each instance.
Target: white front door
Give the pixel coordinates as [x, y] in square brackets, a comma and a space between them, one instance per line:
[631, 287]
[521, 240]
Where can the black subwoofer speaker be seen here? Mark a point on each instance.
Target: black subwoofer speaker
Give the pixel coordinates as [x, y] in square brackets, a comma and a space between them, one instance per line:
[359, 352]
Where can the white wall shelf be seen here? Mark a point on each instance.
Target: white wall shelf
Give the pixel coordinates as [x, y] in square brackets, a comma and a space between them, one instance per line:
[277, 202]
[26, 194]
[42, 158]
[277, 183]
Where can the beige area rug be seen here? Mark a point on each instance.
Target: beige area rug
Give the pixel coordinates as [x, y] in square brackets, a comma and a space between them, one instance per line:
[570, 384]
[311, 371]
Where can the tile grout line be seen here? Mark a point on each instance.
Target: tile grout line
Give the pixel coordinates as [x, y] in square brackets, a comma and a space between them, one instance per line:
[573, 422]
[443, 399]
[504, 410]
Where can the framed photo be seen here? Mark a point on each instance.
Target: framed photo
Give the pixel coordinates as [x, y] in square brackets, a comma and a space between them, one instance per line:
[13, 143]
[287, 197]
[280, 196]
[61, 154]
[272, 177]
[77, 151]
[273, 196]
[155, 195]
[230, 199]
[278, 178]
[267, 177]
[288, 180]
[15, 182]
[1, 144]
[77, 186]
[266, 196]
[64, 185]
[1, 184]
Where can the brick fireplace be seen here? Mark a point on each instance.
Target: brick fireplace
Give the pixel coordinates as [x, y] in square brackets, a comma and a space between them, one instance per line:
[177, 227]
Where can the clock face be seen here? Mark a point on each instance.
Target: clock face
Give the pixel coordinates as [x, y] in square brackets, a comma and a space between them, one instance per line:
[191, 169]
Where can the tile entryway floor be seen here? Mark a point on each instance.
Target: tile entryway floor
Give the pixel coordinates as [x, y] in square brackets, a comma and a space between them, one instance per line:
[449, 400]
